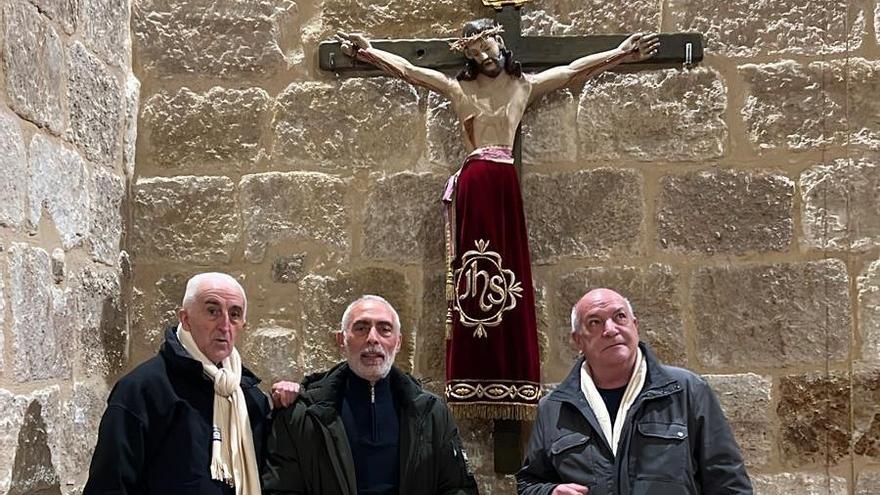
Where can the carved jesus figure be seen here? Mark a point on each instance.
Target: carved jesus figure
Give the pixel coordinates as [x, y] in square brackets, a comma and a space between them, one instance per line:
[492, 367]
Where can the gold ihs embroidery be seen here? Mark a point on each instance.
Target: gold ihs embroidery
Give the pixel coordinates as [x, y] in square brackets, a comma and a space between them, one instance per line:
[484, 280]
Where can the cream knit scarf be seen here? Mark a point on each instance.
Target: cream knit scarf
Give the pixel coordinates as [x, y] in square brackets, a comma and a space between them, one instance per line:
[233, 460]
[636, 382]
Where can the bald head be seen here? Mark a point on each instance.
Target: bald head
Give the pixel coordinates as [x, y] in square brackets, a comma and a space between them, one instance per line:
[601, 296]
[198, 282]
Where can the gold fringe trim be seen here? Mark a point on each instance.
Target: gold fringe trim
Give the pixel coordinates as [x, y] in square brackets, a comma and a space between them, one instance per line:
[518, 412]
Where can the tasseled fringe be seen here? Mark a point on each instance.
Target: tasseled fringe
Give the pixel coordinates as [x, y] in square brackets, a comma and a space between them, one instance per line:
[518, 412]
[219, 470]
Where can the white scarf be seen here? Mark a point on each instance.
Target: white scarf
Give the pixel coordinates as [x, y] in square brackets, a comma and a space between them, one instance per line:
[233, 460]
[636, 382]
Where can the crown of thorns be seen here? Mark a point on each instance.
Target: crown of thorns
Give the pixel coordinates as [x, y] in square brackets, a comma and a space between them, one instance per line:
[460, 44]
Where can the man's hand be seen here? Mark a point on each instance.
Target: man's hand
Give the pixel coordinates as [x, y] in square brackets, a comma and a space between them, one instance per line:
[570, 489]
[284, 393]
[351, 43]
[640, 46]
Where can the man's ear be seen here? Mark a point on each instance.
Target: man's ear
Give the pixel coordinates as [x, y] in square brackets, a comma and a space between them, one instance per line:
[340, 340]
[183, 318]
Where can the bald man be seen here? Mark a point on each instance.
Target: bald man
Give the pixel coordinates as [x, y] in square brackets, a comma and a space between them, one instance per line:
[623, 423]
[191, 419]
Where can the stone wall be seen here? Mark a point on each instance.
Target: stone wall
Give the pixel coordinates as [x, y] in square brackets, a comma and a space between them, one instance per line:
[68, 102]
[735, 203]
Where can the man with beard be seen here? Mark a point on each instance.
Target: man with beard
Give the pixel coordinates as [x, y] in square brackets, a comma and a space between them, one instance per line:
[624, 423]
[491, 332]
[364, 427]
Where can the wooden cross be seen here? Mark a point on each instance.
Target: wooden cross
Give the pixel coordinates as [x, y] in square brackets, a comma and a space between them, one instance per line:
[535, 53]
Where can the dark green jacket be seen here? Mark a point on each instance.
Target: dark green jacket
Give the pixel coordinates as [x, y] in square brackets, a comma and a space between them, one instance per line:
[308, 450]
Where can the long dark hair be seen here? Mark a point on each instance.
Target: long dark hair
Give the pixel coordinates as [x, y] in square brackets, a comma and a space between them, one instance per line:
[472, 68]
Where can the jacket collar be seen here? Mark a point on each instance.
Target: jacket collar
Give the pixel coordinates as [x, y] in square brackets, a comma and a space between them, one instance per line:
[658, 382]
[324, 391]
[180, 360]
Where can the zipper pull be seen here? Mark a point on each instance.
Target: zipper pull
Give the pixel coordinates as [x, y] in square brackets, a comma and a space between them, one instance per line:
[372, 393]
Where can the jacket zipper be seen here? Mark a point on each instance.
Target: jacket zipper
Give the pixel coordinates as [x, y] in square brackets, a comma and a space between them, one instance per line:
[373, 412]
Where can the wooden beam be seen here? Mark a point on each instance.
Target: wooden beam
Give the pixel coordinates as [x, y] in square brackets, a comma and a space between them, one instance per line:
[535, 53]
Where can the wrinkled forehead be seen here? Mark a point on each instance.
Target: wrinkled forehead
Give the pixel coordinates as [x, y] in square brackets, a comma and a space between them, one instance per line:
[220, 291]
[372, 311]
[602, 301]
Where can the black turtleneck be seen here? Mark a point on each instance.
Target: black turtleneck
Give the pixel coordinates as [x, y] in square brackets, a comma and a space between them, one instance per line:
[373, 429]
[612, 398]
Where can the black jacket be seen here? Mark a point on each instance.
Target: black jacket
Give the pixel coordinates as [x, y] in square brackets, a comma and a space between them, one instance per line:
[155, 436]
[676, 441]
[308, 450]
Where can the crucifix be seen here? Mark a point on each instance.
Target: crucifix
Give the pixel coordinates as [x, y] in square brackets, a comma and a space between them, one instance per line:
[491, 335]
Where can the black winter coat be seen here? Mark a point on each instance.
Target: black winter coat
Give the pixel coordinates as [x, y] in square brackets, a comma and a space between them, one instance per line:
[676, 441]
[308, 451]
[155, 436]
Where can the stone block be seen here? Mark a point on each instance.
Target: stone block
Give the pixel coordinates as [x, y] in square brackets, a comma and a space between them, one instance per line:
[585, 214]
[78, 421]
[814, 412]
[95, 106]
[653, 293]
[220, 128]
[33, 470]
[13, 172]
[187, 219]
[668, 115]
[868, 483]
[33, 59]
[102, 336]
[288, 269]
[774, 315]
[743, 28]
[725, 211]
[578, 17]
[431, 346]
[106, 216]
[156, 297]
[549, 129]
[869, 312]
[274, 353]
[841, 202]
[58, 183]
[794, 106]
[746, 401]
[444, 135]
[130, 123]
[293, 208]
[12, 409]
[478, 438]
[106, 30]
[400, 19]
[866, 413]
[799, 484]
[64, 12]
[324, 298]
[3, 319]
[223, 39]
[42, 317]
[373, 123]
[403, 222]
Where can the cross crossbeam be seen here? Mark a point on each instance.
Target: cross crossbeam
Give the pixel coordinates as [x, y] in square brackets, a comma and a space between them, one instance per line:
[533, 52]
